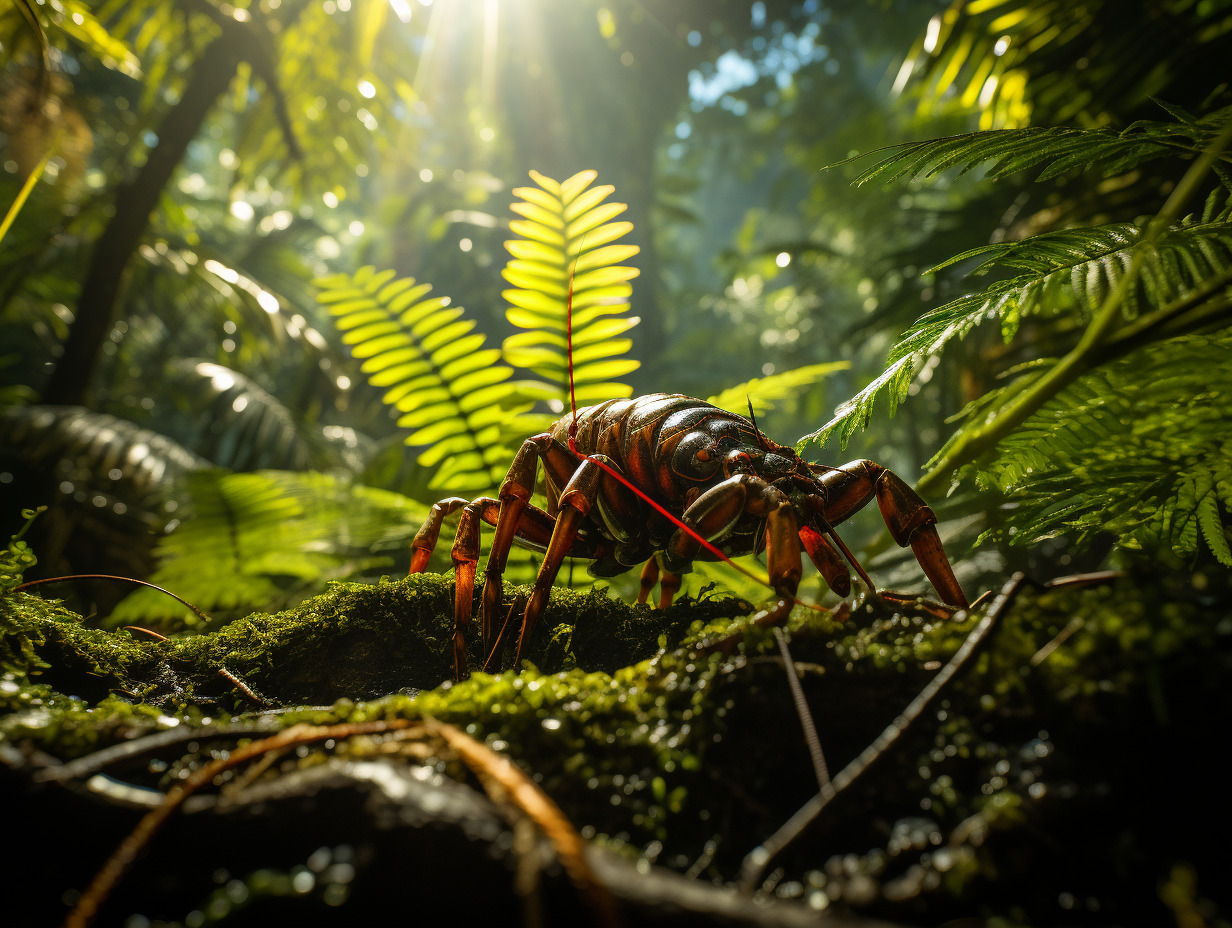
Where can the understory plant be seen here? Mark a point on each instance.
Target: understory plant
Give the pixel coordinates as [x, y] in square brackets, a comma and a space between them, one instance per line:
[1116, 422]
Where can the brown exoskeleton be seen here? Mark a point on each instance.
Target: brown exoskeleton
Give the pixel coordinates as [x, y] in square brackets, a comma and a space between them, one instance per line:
[665, 479]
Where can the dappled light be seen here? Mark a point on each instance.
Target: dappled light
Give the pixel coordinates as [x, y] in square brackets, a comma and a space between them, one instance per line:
[881, 346]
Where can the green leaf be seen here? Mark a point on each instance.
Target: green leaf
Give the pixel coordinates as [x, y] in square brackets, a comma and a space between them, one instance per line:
[1055, 150]
[1071, 270]
[1138, 449]
[764, 391]
[545, 265]
[439, 376]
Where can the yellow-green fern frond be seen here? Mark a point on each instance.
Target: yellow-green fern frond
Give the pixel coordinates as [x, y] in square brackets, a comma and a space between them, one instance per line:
[567, 237]
[454, 394]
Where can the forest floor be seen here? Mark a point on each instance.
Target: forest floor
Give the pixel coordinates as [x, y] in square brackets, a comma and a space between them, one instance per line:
[1063, 775]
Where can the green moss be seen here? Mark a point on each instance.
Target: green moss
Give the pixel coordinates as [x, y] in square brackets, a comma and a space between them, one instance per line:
[656, 748]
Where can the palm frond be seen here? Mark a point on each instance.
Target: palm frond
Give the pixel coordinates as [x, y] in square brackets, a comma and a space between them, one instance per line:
[567, 244]
[763, 391]
[241, 426]
[453, 393]
[97, 457]
[1055, 150]
[1138, 449]
[75, 20]
[1068, 271]
[263, 540]
[109, 484]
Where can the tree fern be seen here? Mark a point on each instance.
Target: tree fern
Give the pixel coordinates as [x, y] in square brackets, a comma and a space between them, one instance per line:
[1140, 449]
[1055, 150]
[1071, 271]
[567, 244]
[453, 393]
[263, 540]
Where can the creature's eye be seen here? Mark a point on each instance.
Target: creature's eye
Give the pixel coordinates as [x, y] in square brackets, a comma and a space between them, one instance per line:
[736, 462]
[695, 457]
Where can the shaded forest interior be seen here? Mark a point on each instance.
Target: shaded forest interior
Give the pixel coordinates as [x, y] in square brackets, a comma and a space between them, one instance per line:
[276, 277]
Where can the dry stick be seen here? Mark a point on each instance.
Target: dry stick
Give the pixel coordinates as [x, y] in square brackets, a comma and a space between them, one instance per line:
[820, 768]
[137, 747]
[245, 690]
[488, 765]
[758, 859]
[109, 876]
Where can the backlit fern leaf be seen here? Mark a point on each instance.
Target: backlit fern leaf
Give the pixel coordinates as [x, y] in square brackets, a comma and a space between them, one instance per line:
[1070, 271]
[763, 391]
[567, 239]
[1139, 448]
[263, 540]
[454, 394]
[1056, 150]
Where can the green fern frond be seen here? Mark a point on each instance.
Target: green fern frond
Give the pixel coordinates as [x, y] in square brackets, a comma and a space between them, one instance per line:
[104, 458]
[1056, 150]
[568, 244]
[1070, 271]
[263, 540]
[763, 391]
[454, 394]
[1139, 448]
[243, 426]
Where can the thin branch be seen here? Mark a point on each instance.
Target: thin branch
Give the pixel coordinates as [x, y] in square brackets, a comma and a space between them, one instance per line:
[759, 858]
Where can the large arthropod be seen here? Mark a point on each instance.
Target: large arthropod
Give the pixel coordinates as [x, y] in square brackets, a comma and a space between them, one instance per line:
[664, 480]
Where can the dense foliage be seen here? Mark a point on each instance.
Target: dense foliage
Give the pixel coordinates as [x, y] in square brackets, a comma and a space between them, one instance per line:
[251, 252]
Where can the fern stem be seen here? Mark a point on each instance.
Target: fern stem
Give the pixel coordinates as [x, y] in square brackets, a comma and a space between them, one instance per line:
[1192, 311]
[1085, 355]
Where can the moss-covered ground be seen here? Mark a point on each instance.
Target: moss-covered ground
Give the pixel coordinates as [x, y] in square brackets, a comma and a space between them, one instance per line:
[1066, 775]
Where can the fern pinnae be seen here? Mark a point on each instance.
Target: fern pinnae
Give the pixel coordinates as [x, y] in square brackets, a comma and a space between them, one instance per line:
[1055, 150]
[453, 395]
[1135, 449]
[1076, 268]
[568, 243]
[762, 392]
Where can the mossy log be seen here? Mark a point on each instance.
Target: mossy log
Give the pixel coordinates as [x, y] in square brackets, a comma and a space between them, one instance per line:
[1050, 782]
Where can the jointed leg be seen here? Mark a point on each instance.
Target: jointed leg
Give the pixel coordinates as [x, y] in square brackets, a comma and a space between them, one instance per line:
[827, 561]
[513, 518]
[426, 538]
[669, 584]
[907, 516]
[717, 511]
[465, 555]
[576, 501]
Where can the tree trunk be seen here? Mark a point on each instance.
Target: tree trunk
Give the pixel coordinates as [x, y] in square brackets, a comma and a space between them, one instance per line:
[135, 200]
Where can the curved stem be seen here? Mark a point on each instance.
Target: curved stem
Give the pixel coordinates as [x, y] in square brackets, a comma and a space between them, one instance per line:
[1085, 355]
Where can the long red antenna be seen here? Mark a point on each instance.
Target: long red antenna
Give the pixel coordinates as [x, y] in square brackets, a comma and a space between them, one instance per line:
[569, 349]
